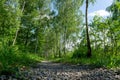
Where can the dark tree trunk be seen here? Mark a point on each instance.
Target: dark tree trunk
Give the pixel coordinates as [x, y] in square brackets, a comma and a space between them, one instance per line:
[89, 54]
[27, 38]
[65, 41]
[37, 43]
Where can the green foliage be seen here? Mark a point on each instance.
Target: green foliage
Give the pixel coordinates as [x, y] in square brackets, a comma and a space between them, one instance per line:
[97, 60]
[51, 28]
[79, 52]
[11, 58]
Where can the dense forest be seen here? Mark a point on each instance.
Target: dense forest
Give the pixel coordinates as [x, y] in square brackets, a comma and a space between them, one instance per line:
[57, 30]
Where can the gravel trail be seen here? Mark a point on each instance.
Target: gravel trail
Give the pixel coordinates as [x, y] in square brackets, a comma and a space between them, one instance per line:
[57, 71]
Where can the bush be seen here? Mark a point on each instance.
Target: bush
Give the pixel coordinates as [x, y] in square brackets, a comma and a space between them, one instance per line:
[11, 59]
[80, 52]
[98, 59]
[7, 57]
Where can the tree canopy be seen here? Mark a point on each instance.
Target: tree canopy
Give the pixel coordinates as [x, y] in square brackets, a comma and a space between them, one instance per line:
[58, 29]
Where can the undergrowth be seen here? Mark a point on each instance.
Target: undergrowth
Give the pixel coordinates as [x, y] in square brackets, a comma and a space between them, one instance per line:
[11, 59]
[97, 60]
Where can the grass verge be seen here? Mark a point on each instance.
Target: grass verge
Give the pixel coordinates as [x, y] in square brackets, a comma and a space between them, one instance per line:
[11, 60]
[107, 61]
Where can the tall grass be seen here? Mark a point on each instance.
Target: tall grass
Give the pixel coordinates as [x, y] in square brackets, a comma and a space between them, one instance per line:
[97, 60]
[11, 58]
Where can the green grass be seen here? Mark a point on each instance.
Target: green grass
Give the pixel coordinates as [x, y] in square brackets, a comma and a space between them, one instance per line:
[11, 59]
[97, 60]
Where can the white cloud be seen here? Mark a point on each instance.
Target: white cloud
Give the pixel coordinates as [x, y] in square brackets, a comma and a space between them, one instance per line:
[102, 13]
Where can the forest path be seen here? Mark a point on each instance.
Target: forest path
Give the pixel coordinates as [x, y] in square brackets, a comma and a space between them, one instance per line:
[47, 70]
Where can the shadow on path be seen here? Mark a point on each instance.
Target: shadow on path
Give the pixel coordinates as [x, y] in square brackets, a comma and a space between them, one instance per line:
[47, 70]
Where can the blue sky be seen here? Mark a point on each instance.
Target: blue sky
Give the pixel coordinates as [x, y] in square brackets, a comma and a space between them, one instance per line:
[98, 8]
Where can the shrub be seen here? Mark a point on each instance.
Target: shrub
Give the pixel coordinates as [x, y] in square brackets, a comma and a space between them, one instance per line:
[80, 52]
[11, 59]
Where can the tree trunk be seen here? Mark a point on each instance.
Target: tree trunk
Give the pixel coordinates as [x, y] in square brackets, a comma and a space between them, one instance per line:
[55, 54]
[37, 42]
[104, 41]
[115, 46]
[59, 47]
[65, 41]
[87, 34]
[26, 38]
[112, 44]
[16, 35]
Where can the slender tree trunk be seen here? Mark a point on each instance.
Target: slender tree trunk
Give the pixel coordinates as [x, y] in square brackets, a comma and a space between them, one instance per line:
[37, 42]
[59, 46]
[64, 43]
[95, 44]
[112, 44]
[26, 38]
[59, 50]
[115, 46]
[87, 34]
[36, 46]
[55, 54]
[16, 35]
[104, 41]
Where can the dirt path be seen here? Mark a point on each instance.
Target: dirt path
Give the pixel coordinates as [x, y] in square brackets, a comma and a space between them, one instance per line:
[47, 70]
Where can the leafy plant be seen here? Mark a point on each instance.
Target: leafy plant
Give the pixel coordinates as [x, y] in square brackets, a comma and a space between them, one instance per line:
[80, 52]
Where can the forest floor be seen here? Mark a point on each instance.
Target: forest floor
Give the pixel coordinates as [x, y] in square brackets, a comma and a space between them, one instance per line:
[47, 70]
